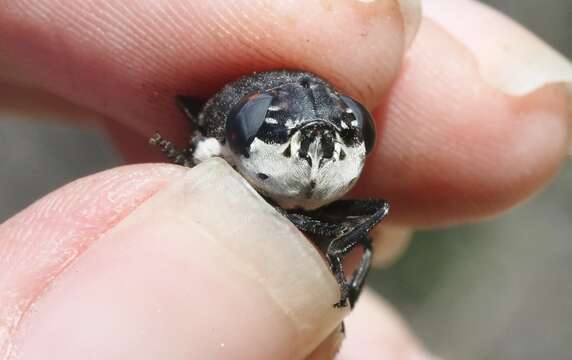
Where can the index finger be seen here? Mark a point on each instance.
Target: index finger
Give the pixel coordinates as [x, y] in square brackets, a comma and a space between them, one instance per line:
[127, 60]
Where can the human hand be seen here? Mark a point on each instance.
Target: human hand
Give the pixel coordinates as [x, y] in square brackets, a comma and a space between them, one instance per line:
[119, 265]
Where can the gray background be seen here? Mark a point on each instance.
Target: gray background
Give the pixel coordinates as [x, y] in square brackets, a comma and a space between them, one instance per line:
[497, 290]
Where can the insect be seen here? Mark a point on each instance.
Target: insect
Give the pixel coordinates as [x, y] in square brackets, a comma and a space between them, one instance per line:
[302, 145]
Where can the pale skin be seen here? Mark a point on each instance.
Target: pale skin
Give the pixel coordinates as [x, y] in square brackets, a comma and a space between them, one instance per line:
[104, 266]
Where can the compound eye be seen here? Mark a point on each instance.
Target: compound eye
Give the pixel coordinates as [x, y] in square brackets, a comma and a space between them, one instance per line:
[364, 120]
[244, 121]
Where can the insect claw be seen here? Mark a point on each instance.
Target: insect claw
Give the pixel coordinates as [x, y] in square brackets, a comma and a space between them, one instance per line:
[155, 139]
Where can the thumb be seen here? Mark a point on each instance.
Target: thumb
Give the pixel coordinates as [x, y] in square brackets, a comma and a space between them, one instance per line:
[160, 262]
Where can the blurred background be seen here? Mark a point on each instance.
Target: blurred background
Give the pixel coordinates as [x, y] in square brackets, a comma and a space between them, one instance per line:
[496, 290]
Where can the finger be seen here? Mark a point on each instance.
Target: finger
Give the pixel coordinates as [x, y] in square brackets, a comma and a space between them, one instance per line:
[127, 60]
[456, 147]
[330, 347]
[390, 242]
[374, 331]
[135, 261]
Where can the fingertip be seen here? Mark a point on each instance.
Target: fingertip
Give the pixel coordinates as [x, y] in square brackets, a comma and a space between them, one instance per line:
[389, 242]
[517, 63]
[167, 280]
[374, 331]
[455, 149]
[330, 347]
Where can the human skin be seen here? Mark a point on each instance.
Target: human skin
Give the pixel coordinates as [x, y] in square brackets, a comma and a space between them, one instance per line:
[153, 261]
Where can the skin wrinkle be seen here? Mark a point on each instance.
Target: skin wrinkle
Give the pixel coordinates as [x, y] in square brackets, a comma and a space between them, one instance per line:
[225, 21]
[124, 25]
[93, 39]
[211, 30]
[236, 21]
[50, 207]
[229, 23]
[61, 47]
[153, 91]
[207, 30]
[173, 46]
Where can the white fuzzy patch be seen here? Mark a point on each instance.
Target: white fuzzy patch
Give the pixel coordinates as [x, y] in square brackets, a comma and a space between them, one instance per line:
[270, 120]
[288, 179]
[206, 149]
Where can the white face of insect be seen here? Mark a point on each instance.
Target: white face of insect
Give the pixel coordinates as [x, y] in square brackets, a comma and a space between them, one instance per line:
[301, 144]
[312, 169]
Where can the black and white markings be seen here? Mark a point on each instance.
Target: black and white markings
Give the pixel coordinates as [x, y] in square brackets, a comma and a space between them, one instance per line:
[309, 146]
[302, 145]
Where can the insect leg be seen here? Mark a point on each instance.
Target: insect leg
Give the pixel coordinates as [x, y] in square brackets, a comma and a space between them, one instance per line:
[348, 223]
[338, 249]
[360, 273]
[368, 213]
[179, 157]
[336, 252]
[200, 146]
[191, 107]
[314, 226]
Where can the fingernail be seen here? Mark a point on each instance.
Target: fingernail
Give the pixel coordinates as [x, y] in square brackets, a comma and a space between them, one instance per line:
[204, 268]
[526, 66]
[390, 242]
[411, 14]
[516, 62]
[328, 349]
